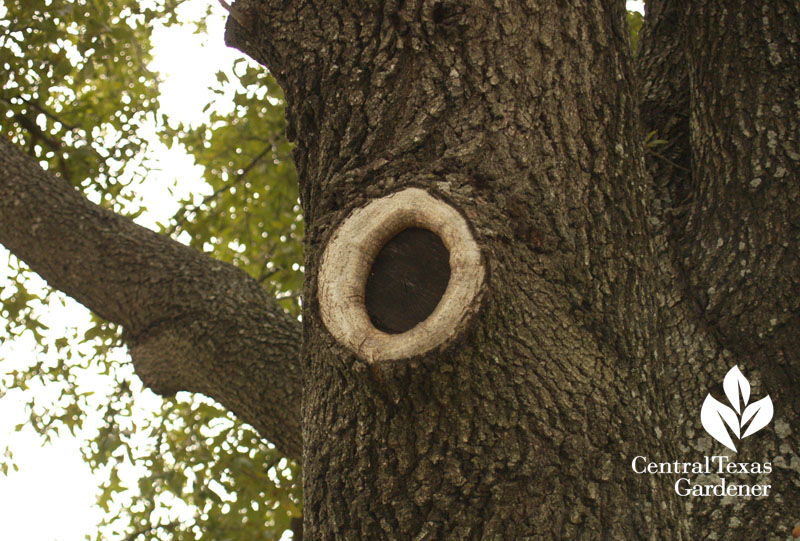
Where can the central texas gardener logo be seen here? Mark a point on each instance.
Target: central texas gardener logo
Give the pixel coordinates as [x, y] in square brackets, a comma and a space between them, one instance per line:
[715, 415]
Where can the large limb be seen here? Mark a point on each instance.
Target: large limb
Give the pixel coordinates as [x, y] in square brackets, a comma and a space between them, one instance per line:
[727, 179]
[739, 238]
[724, 96]
[739, 242]
[192, 323]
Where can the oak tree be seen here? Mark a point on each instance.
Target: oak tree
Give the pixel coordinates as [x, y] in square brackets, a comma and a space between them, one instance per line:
[619, 232]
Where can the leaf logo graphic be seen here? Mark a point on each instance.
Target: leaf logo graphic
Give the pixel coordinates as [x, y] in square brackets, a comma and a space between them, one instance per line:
[715, 415]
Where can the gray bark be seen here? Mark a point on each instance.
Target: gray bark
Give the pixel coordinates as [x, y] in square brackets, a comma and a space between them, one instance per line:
[622, 282]
[595, 341]
[191, 323]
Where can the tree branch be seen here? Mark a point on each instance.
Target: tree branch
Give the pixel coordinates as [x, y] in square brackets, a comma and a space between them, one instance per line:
[192, 323]
[739, 235]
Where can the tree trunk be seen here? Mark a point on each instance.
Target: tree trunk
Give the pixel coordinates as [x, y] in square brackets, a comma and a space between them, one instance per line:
[597, 288]
[595, 341]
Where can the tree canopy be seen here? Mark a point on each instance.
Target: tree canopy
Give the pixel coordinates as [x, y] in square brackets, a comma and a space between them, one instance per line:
[81, 98]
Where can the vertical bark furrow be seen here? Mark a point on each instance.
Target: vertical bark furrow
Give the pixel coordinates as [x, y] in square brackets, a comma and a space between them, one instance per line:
[663, 78]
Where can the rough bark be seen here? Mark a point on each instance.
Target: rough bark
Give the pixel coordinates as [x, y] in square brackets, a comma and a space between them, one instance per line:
[192, 323]
[740, 234]
[622, 282]
[724, 95]
[607, 318]
[526, 426]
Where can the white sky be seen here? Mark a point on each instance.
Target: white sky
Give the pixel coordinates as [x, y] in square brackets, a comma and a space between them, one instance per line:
[52, 497]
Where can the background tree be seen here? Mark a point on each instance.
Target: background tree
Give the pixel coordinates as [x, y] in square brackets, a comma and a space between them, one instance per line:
[622, 278]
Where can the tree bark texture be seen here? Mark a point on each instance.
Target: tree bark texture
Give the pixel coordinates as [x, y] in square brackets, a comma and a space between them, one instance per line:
[191, 323]
[622, 281]
[720, 83]
[618, 294]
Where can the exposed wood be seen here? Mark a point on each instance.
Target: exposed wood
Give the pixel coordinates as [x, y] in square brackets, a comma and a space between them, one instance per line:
[348, 260]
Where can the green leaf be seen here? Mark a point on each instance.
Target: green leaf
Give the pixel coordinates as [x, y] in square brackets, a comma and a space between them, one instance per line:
[87, 65]
[635, 20]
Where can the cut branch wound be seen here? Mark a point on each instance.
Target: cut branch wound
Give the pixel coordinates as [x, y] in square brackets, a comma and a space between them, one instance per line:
[400, 277]
[407, 280]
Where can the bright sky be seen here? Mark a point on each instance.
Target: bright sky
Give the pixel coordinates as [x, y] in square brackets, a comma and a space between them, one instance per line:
[52, 497]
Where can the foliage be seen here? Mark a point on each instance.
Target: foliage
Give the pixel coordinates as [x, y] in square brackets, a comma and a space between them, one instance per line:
[635, 20]
[252, 219]
[77, 94]
[77, 85]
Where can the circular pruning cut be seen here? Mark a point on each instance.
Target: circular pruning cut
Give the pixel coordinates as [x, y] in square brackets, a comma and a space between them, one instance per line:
[348, 263]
